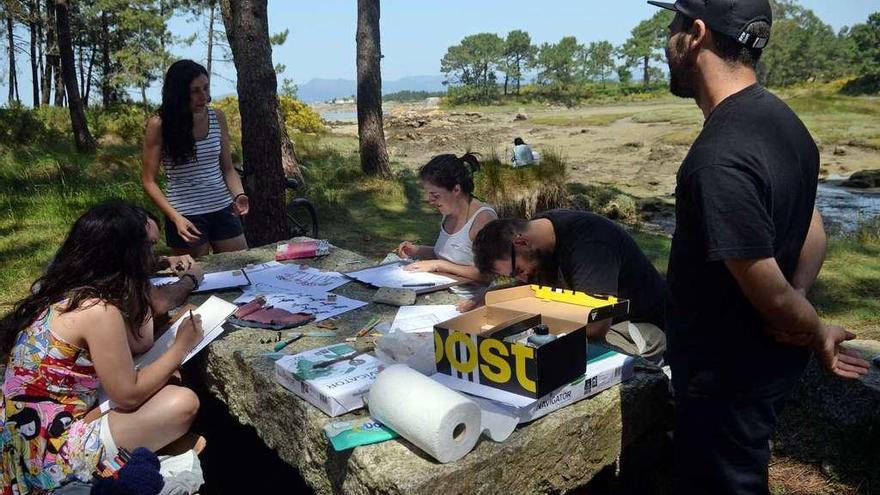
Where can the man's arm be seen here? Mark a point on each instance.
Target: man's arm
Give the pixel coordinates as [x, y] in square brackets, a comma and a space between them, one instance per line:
[812, 255]
[596, 269]
[789, 317]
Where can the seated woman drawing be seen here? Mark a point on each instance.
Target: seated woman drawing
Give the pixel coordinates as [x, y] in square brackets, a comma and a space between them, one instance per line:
[448, 181]
[72, 334]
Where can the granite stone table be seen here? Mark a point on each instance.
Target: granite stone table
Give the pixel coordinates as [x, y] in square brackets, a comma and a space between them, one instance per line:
[556, 453]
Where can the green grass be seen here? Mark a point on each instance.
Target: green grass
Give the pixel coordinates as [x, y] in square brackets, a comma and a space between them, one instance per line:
[836, 119]
[44, 186]
[688, 115]
[684, 137]
[848, 290]
[43, 190]
[595, 120]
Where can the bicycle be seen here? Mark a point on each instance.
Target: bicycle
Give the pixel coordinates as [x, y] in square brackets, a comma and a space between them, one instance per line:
[302, 219]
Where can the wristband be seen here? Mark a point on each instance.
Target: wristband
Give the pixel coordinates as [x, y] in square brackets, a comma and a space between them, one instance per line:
[192, 277]
[234, 198]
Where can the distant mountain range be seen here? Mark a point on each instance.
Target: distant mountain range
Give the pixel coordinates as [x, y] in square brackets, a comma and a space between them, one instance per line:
[327, 89]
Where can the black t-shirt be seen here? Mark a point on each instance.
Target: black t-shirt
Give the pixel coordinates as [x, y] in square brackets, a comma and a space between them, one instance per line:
[594, 254]
[745, 190]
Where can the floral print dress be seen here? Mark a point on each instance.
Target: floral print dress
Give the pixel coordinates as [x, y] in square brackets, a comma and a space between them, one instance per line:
[49, 386]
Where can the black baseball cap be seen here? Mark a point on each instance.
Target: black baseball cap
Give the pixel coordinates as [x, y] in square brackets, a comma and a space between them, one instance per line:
[729, 17]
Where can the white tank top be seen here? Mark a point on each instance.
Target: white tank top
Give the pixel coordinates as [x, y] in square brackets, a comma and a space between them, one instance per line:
[457, 248]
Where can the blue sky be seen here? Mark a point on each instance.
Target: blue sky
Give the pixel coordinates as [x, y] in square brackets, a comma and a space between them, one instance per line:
[416, 33]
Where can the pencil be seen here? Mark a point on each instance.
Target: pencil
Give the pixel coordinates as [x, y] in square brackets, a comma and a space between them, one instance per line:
[369, 326]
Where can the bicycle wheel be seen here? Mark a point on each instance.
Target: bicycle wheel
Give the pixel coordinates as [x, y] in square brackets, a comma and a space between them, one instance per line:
[302, 220]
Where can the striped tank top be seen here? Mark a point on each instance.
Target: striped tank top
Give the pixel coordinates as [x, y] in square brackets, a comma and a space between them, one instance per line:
[197, 186]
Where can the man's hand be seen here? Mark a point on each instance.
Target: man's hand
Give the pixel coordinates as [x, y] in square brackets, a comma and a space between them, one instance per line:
[836, 358]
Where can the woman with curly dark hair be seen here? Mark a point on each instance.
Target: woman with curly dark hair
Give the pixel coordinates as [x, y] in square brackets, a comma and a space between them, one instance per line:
[71, 335]
[204, 196]
[448, 181]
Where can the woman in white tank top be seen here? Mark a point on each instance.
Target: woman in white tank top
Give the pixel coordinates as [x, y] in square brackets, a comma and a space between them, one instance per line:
[448, 181]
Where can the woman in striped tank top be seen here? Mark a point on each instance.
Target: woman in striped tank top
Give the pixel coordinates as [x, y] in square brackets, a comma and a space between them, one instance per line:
[204, 196]
[448, 181]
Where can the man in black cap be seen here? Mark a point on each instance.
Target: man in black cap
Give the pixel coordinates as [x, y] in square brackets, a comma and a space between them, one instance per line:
[747, 247]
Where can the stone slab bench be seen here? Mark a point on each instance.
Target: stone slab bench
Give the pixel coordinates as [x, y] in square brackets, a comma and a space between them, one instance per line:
[559, 452]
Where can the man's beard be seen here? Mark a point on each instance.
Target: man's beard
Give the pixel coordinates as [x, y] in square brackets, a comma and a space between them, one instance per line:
[546, 270]
[681, 71]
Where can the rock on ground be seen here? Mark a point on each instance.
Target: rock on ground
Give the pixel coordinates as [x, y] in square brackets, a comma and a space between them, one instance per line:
[863, 179]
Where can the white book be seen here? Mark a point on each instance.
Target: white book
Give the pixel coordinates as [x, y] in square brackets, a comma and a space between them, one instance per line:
[231, 279]
[214, 312]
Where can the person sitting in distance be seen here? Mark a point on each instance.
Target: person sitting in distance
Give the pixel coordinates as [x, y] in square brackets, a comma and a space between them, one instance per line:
[522, 153]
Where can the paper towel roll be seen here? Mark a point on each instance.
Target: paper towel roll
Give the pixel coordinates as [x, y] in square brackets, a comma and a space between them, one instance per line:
[435, 418]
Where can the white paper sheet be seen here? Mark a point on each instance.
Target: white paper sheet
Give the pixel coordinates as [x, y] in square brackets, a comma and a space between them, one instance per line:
[214, 312]
[321, 305]
[478, 390]
[274, 277]
[393, 275]
[422, 318]
[213, 281]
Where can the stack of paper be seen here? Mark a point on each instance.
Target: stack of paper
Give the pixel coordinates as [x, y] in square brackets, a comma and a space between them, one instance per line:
[298, 289]
[334, 389]
[422, 318]
[393, 275]
[213, 281]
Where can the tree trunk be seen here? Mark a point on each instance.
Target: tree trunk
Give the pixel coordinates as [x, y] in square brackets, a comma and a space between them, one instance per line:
[13, 81]
[35, 74]
[211, 39]
[505, 83]
[247, 30]
[518, 73]
[106, 89]
[645, 76]
[82, 73]
[289, 160]
[374, 157]
[84, 140]
[59, 82]
[45, 73]
[52, 58]
[89, 77]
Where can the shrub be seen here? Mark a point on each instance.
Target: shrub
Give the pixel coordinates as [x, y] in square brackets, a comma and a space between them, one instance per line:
[607, 201]
[523, 191]
[229, 106]
[126, 122]
[868, 230]
[297, 115]
[622, 208]
[20, 125]
[57, 120]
